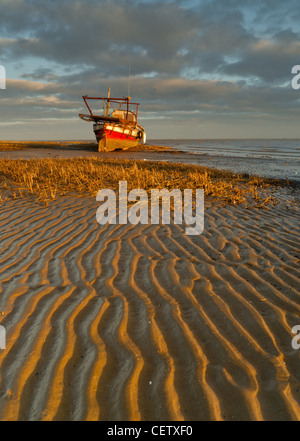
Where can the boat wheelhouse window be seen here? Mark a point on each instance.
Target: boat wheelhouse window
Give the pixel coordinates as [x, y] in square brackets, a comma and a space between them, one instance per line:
[122, 114]
[131, 116]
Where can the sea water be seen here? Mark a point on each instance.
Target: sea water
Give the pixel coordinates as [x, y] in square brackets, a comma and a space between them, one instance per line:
[276, 158]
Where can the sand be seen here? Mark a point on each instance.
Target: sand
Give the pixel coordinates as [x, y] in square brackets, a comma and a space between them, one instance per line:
[124, 322]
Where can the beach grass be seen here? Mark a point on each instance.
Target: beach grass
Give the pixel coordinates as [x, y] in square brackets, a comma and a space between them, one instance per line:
[69, 145]
[48, 179]
[23, 145]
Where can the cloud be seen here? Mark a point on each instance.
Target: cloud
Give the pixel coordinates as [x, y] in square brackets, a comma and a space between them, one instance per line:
[165, 38]
[267, 60]
[108, 34]
[187, 59]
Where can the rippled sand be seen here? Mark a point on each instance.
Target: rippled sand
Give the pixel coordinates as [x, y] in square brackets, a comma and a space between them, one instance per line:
[144, 322]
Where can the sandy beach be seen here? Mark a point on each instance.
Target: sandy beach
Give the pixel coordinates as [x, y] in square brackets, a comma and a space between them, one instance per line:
[142, 322]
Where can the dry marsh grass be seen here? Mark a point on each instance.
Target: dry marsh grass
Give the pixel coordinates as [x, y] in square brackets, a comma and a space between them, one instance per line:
[53, 145]
[67, 145]
[23, 145]
[48, 179]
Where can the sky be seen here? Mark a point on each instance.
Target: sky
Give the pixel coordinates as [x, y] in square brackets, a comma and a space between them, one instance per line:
[199, 69]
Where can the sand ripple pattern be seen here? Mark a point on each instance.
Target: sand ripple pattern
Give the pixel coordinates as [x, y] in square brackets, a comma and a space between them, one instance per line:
[144, 322]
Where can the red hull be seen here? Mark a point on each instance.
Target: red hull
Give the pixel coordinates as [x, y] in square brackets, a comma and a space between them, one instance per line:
[111, 134]
[117, 137]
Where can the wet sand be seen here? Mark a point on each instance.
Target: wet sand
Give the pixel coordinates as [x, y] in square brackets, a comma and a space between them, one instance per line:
[73, 151]
[124, 322]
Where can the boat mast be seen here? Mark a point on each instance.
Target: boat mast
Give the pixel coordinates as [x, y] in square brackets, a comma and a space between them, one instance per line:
[128, 96]
[107, 107]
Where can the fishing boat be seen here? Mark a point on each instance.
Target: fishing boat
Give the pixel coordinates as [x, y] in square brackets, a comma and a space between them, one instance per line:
[116, 127]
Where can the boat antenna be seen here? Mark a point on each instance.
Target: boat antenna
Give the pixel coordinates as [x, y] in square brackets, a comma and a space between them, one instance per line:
[129, 80]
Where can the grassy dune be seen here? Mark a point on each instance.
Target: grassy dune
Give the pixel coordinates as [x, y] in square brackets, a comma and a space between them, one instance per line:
[49, 178]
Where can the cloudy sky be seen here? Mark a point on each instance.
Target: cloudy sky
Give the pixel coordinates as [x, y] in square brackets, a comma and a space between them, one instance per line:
[200, 69]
